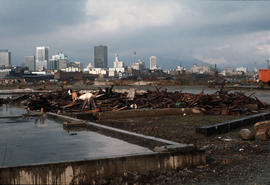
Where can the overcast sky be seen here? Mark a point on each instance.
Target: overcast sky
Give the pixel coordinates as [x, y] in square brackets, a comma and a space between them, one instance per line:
[227, 33]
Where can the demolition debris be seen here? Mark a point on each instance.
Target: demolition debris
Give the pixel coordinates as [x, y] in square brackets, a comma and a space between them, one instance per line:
[219, 103]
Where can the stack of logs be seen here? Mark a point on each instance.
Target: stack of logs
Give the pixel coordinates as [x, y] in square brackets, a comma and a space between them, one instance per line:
[262, 132]
[221, 102]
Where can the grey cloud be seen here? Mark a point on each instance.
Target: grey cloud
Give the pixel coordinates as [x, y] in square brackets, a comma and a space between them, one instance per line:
[20, 17]
[205, 25]
[221, 18]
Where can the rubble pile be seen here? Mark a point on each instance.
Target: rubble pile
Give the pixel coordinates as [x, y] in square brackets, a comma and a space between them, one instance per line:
[221, 102]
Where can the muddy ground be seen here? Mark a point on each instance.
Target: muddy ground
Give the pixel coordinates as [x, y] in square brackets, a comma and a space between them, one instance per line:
[229, 159]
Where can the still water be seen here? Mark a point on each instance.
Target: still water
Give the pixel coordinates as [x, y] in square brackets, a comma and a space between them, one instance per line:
[263, 95]
[26, 141]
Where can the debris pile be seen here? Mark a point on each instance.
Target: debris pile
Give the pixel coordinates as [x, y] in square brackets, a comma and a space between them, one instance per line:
[221, 102]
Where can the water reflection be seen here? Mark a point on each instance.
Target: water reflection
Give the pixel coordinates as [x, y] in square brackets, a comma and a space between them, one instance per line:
[5, 110]
[40, 121]
[38, 140]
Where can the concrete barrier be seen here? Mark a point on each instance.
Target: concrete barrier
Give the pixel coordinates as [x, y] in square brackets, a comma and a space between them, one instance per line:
[87, 172]
[172, 155]
[135, 113]
[221, 128]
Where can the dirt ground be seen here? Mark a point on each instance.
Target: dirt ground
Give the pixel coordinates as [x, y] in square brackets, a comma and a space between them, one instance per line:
[229, 159]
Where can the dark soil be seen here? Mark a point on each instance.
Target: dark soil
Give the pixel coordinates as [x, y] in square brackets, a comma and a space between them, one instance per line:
[229, 159]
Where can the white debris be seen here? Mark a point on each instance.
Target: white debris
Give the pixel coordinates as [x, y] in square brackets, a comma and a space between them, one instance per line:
[133, 106]
[69, 92]
[86, 96]
[131, 94]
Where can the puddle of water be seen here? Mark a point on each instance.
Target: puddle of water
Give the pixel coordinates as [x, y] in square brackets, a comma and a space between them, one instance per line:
[8, 110]
[25, 141]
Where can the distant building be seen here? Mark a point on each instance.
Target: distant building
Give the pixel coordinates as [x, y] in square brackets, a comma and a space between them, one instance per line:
[62, 75]
[118, 68]
[5, 58]
[101, 56]
[241, 70]
[88, 67]
[117, 63]
[201, 69]
[72, 69]
[5, 72]
[62, 64]
[139, 65]
[153, 62]
[58, 62]
[178, 71]
[181, 69]
[30, 63]
[53, 64]
[228, 71]
[42, 58]
[97, 71]
[116, 72]
[76, 64]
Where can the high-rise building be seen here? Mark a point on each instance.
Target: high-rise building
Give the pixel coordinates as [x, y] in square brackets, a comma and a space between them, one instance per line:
[101, 56]
[58, 62]
[42, 58]
[53, 64]
[153, 62]
[30, 62]
[5, 58]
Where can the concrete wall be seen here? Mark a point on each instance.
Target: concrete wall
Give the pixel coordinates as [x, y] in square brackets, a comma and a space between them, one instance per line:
[87, 172]
[136, 113]
[225, 127]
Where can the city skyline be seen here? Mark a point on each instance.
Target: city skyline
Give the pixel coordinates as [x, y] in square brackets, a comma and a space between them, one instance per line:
[60, 60]
[226, 33]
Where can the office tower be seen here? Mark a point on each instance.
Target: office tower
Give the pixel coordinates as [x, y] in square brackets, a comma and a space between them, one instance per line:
[153, 62]
[58, 62]
[42, 58]
[30, 62]
[5, 58]
[53, 64]
[101, 56]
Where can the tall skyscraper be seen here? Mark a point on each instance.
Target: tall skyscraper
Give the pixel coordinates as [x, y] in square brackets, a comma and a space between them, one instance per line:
[42, 58]
[30, 62]
[101, 56]
[153, 62]
[5, 58]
